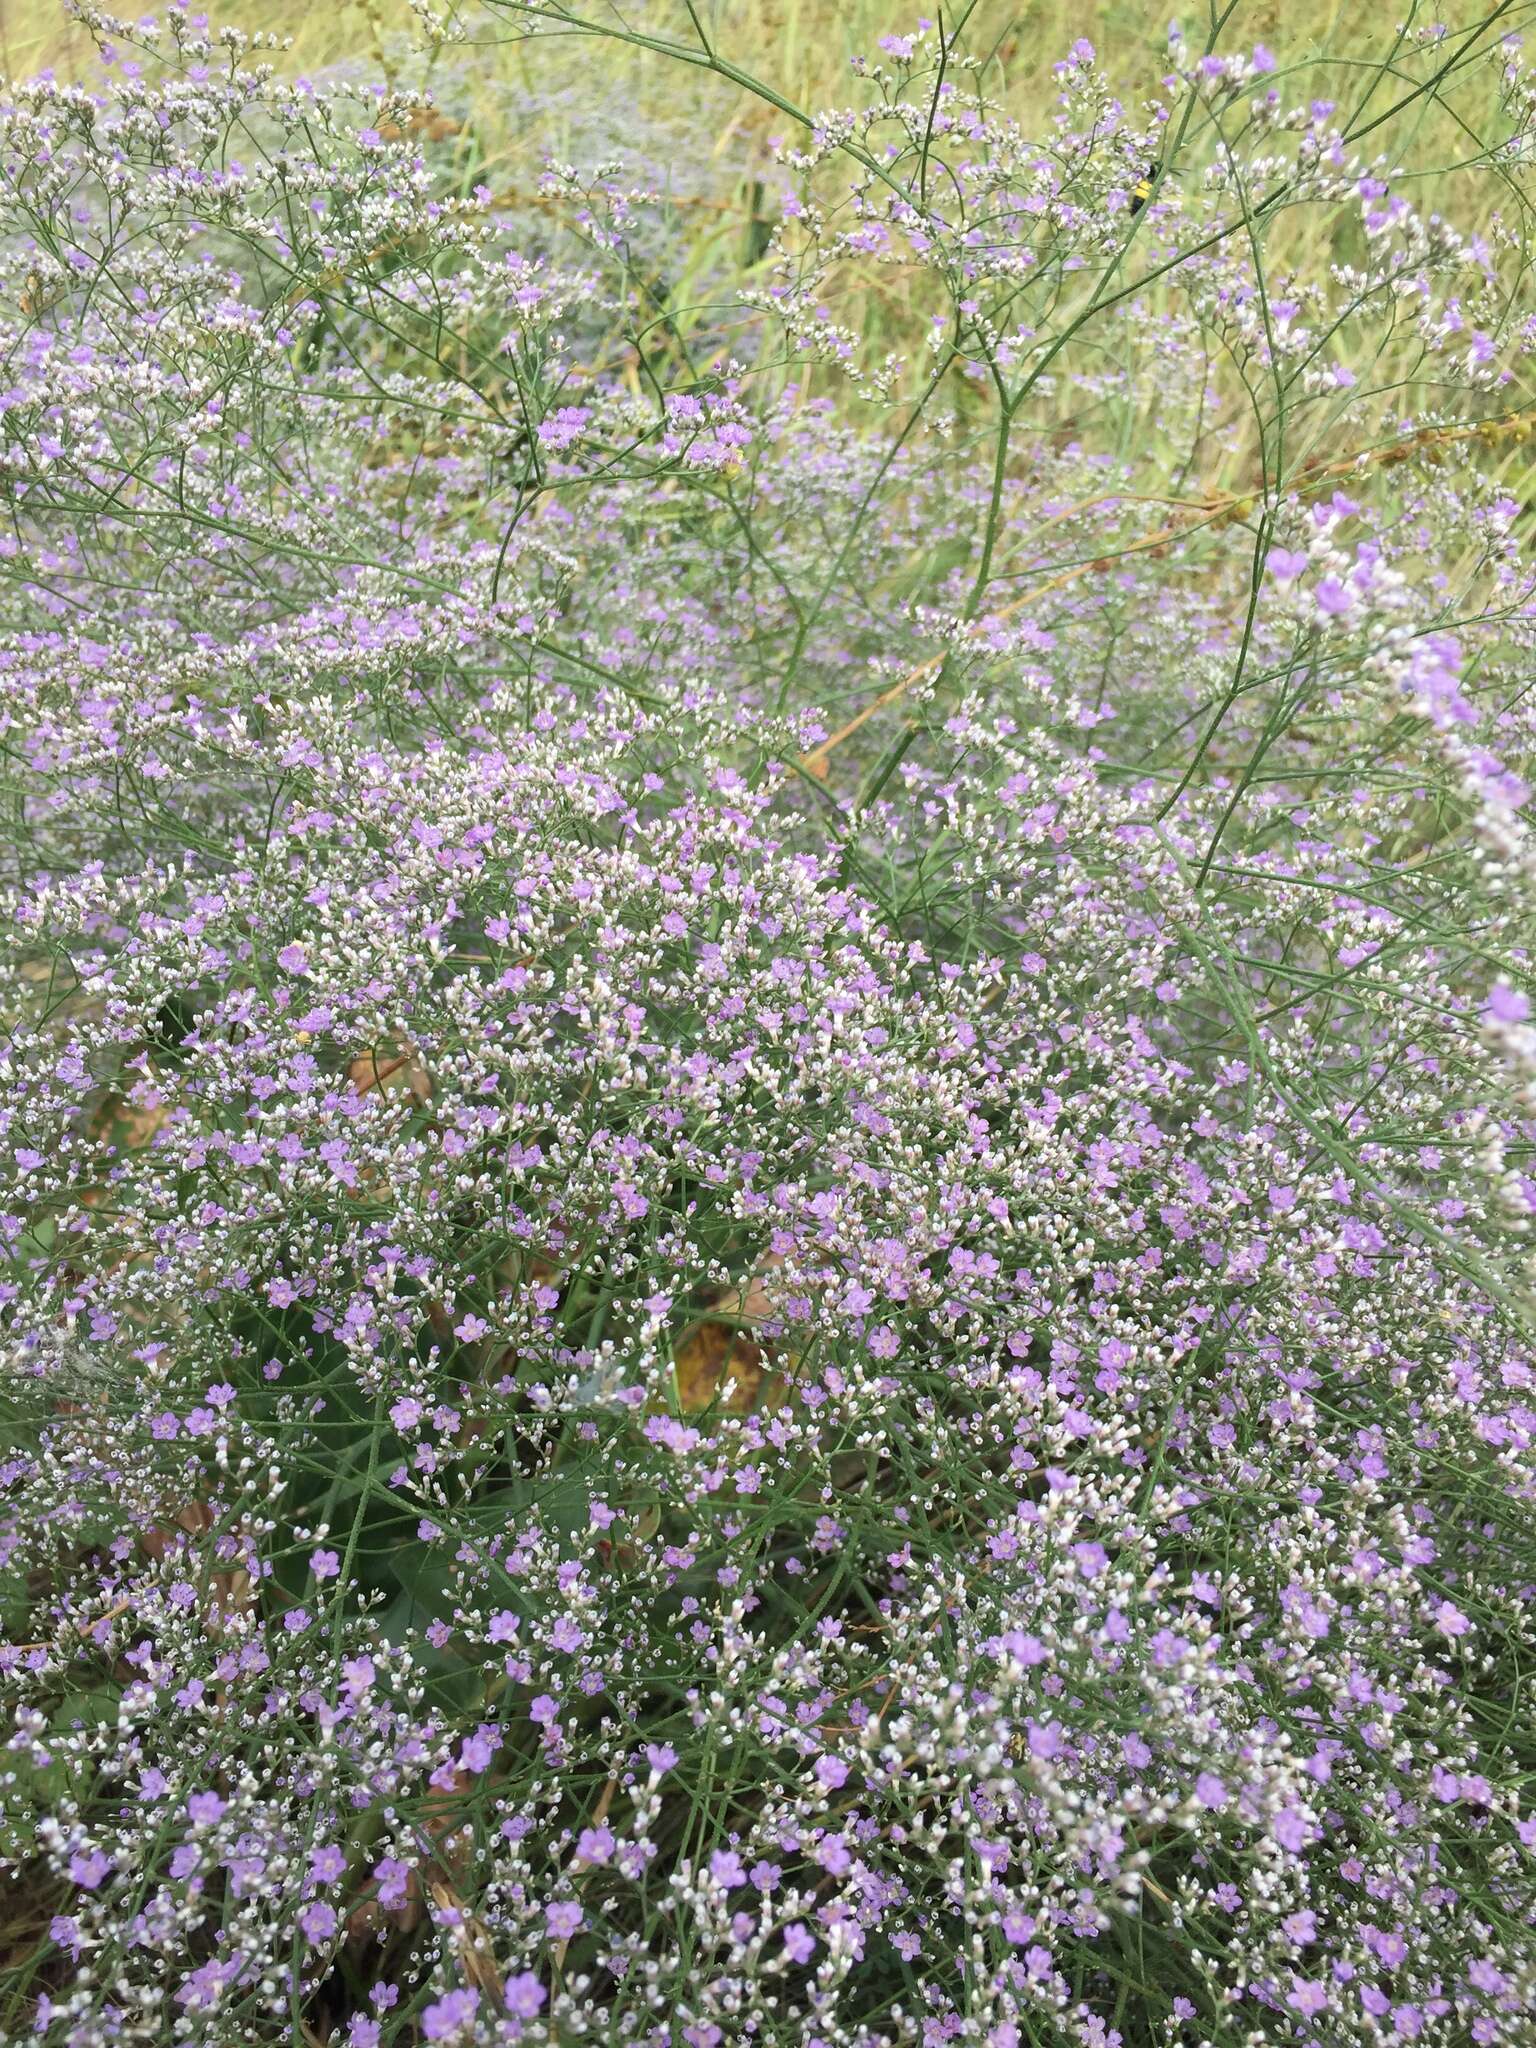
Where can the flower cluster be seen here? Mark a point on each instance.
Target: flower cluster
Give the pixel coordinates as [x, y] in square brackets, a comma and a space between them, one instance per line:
[765, 1167]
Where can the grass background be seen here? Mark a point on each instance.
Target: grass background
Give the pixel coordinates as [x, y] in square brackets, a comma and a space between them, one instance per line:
[511, 102]
[804, 44]
[803, 47]
[518, 100]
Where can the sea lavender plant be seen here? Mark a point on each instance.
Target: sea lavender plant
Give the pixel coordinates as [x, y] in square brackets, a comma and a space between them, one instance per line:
[767, 1103]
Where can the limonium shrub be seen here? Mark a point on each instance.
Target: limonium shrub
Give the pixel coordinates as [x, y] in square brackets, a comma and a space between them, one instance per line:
[768, 1075]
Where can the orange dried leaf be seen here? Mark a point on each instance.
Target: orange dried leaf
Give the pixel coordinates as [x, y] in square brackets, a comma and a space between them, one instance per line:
[127, 1123]
[716, 1365]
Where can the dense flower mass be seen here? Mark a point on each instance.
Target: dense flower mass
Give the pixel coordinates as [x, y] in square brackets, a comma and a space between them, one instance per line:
[768, 1079]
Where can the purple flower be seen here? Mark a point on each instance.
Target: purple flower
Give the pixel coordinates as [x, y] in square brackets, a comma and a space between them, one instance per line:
[799, 1942]
[317, 1921]
[1507, 1005]
[1290, 1829]
[450, 2015]
[1045, 1739]
[89, 1870]
[524, 1995]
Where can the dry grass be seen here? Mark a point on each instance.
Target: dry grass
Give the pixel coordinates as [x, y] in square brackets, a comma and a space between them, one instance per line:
[803, 46]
